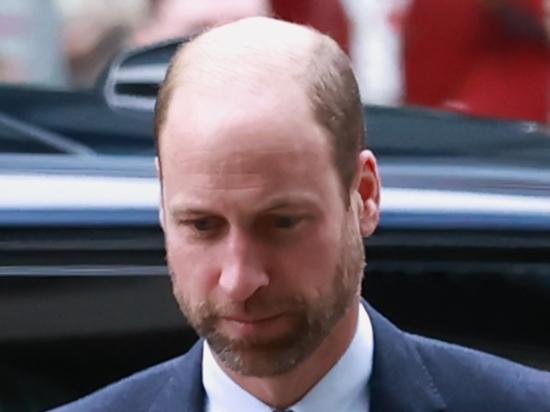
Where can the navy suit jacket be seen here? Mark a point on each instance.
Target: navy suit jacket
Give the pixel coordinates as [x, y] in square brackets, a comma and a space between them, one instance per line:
[410, 374]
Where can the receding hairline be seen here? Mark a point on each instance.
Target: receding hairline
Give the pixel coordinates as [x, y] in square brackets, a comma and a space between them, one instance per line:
[283, 49]
[263, 41]
[300, 53]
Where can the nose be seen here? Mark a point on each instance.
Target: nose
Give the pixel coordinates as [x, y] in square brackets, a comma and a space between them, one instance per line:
[242, 272]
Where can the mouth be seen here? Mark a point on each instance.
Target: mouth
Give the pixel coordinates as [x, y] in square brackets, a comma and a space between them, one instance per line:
[250, 320]
[239, 326]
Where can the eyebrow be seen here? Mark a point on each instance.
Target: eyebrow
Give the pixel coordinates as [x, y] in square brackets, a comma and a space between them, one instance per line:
[284, 205]
[269, 205]
[191, 210]
[288, 201]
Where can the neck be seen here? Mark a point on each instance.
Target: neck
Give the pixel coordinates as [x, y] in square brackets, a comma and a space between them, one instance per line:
[284, 390]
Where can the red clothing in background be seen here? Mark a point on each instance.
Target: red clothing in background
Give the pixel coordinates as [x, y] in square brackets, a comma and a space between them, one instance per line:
[488, 58]
[327, 16]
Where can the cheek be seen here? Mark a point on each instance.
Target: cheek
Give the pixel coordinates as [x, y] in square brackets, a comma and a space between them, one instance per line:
[193, 268]
[313, 263]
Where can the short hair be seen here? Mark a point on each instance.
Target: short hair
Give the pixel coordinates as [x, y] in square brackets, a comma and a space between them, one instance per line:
[331, 88]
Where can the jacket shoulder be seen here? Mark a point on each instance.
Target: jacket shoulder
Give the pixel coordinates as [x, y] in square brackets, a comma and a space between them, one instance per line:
[134, 393]
[472, 380]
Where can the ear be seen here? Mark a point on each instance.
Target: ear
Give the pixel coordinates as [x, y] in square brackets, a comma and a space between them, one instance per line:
[367, 191]
[161, 196]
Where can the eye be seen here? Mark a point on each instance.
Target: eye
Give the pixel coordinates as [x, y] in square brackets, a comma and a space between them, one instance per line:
[285, 222]
[203, 225]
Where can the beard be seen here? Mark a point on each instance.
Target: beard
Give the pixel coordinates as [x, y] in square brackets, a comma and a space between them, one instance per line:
[310, 321]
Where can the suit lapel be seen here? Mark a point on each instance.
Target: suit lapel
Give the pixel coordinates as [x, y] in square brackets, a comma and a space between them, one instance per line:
[183, 390]
[400, 380]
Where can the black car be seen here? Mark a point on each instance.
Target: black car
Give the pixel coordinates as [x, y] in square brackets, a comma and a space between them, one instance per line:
[462, 252]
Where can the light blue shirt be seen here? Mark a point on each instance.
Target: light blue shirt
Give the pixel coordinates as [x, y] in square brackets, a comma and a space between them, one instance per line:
[344, 388]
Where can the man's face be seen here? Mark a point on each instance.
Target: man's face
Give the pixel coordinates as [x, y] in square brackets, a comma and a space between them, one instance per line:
[264, 255]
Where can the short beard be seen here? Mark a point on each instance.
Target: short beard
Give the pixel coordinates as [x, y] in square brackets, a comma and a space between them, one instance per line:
[312, 322]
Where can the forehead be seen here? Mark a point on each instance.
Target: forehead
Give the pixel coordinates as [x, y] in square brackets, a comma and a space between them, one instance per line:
[260, 113]
[242, 136]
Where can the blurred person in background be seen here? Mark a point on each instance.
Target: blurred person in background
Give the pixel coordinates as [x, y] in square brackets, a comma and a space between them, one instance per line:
[176, 18]
[94, 31]
[482, 57]
[364, 28]
[29, 38]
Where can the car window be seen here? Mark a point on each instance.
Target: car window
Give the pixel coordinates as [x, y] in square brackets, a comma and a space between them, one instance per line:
[18, 136]
[12, 141]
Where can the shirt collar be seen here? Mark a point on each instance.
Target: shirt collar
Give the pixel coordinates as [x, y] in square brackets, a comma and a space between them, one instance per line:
[343, 388]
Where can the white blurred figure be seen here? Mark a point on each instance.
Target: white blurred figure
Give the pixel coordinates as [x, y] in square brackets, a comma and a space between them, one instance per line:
[375, 48]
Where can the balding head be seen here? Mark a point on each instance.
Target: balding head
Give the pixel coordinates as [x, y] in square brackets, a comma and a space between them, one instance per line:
[259, 55]
[262, 238]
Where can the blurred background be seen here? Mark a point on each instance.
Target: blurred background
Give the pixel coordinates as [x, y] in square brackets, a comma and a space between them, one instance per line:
[482, 57]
